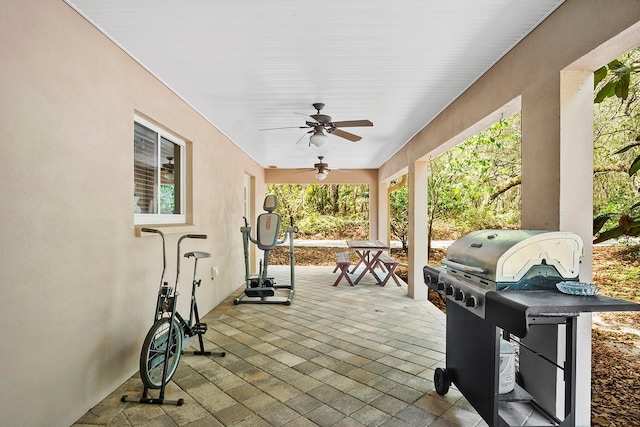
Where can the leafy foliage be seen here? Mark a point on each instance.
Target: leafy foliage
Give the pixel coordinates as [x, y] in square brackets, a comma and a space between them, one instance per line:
[399, 214]
[466, 183]
[614, 80]
[327, 210]
[616, 142]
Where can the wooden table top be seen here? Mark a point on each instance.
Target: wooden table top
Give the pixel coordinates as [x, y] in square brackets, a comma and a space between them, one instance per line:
[367, 244]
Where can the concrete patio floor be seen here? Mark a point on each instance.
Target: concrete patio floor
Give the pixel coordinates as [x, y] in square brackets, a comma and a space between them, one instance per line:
[337, 356]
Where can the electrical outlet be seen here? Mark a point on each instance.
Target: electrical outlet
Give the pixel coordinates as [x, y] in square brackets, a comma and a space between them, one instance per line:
[214, 272]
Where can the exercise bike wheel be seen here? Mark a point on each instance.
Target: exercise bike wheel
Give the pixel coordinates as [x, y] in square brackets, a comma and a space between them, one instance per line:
[153, 353]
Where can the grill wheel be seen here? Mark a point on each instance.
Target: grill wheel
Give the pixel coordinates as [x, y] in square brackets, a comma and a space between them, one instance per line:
[442, 381]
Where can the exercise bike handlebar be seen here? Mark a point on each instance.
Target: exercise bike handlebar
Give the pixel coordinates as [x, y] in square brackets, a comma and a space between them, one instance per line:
[164, 250]
[194, 236]
[150, 230]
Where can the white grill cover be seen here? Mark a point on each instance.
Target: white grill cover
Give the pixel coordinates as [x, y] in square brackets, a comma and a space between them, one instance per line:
[507, 255]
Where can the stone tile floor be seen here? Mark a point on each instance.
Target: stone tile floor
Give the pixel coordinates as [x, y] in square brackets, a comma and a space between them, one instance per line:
[337, 356]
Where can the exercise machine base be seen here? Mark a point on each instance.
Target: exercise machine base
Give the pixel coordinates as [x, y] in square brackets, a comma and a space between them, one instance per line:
[266, 299]
[152, 401]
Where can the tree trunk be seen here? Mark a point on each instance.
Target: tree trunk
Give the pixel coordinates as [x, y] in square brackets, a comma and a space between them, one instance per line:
[335, 198]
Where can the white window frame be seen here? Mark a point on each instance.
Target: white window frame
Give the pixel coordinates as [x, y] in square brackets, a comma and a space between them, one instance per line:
[181, 218]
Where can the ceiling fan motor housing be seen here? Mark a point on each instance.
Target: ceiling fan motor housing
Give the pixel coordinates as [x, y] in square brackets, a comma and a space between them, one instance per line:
[322, 118]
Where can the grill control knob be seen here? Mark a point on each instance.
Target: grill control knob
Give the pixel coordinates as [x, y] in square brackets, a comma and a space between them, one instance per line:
[440, 286]
[459, 296]
[449, 290]
[471, 302]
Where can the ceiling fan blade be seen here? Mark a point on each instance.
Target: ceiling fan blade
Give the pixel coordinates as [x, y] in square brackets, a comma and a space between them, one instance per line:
[287, 127]
[346, 135]
[302, 137]
[352, 123]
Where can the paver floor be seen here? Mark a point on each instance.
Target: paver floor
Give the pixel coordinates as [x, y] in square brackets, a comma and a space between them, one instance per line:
[337, 356]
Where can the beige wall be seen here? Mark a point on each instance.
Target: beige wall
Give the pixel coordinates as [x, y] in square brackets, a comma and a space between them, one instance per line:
[78, 286]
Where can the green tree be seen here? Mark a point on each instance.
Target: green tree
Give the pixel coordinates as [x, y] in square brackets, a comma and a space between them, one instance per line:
[616, 154]
[473, 185]
[399, 214]
[476, 183]
[290, 200]
[324, 209]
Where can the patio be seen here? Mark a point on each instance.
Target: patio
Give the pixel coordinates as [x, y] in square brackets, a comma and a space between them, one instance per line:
[338, 356]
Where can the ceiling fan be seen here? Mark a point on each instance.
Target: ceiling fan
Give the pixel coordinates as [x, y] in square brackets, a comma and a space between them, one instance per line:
[167, 168]
[322, 125]
[321, 168]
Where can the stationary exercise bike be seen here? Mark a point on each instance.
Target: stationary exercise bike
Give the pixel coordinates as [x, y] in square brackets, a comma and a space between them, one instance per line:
[170, 333]
[261, 288]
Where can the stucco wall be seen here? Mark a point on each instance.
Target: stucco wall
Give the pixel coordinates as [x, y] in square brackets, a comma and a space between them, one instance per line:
[78, 286]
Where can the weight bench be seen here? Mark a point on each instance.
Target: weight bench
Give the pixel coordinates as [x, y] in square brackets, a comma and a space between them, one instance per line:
[390, 265]
[342, 263]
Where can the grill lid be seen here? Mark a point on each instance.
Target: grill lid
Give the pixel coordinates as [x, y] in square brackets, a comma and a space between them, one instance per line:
[507, 255]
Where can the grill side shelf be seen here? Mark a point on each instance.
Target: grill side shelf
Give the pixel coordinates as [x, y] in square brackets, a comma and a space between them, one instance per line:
[515, 311]
[505, 313]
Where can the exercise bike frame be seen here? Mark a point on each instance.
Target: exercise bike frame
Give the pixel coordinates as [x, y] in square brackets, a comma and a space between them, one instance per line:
[179, 330]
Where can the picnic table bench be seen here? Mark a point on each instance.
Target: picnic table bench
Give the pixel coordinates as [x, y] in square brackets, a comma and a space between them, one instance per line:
[390, 264]
[343, 262]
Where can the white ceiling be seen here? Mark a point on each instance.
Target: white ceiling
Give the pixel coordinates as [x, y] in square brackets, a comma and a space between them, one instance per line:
[247, 65]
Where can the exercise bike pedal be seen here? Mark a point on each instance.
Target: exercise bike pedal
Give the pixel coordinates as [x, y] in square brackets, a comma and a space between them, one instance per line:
[199, 328]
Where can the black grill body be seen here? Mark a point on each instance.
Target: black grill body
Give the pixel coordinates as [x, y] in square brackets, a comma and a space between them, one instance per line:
[482, 307]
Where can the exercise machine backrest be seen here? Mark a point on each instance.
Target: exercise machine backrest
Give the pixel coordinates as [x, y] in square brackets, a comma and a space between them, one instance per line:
[268, 224]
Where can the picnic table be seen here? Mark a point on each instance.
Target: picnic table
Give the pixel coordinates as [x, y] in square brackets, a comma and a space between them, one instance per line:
[369, 252]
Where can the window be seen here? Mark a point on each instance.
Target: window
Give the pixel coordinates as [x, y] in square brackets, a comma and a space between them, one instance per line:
[158, 170]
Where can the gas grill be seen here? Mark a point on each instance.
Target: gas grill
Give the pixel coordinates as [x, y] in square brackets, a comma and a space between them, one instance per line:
[490, 260]
[502, 283]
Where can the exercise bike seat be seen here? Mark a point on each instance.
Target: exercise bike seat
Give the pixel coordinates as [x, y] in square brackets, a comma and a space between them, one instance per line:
[197, 254]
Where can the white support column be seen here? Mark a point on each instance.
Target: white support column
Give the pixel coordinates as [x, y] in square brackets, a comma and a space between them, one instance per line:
[557, 169]
[376, 215]
[576, 206]
[417, 259]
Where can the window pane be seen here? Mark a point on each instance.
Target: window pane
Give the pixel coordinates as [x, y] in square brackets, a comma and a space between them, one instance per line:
[158, 175]
[145, 168]
[170, 177]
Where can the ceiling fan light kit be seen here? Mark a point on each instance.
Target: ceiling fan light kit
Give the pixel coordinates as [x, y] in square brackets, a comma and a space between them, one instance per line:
[319, 138]
[322, 168]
